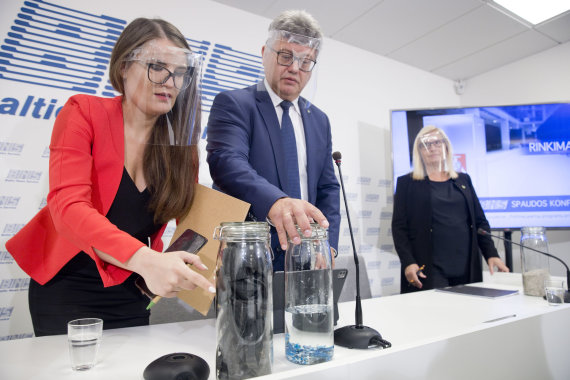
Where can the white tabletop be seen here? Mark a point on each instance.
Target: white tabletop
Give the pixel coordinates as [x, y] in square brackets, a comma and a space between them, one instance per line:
[434, 335]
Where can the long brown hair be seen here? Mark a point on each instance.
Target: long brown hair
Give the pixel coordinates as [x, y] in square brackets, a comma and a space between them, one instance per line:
[170, 171]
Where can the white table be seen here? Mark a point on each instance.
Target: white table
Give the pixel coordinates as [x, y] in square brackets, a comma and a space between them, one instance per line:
[434, 335]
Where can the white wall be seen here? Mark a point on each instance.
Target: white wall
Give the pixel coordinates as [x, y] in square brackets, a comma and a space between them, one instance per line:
[543, 77]
[357, 90]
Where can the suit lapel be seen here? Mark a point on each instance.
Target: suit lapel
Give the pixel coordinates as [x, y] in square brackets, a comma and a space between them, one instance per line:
[269, 116]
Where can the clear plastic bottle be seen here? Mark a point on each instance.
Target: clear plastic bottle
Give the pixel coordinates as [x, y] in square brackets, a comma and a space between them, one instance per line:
[244, 301]
[534, 264]
[309, 319]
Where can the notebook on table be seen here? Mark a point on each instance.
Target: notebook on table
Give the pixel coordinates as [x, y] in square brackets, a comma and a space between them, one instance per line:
[338, 278]
[478, 291]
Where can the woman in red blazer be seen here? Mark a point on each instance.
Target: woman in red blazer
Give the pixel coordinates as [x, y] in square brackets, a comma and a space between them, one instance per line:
[119, 170]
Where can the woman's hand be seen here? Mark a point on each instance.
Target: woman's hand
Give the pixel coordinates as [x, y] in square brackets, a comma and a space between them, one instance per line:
[165, 273]
[497, 262]
[413, 274]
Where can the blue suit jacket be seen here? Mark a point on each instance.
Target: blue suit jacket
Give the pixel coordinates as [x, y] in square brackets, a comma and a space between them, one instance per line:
[246, 159]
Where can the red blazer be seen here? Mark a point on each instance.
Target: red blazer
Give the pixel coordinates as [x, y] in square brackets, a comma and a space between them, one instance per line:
[85, 168]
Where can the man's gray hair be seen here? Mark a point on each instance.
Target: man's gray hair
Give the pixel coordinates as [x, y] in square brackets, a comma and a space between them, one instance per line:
[298, 22]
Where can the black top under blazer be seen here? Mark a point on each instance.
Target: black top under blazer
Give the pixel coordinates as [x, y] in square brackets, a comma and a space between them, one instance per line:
[412, 228]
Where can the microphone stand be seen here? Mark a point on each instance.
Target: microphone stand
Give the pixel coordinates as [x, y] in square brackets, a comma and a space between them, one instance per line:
[481, 231]
[358, 335]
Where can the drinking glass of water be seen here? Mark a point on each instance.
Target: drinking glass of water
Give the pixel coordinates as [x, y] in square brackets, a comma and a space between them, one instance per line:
[84, 337]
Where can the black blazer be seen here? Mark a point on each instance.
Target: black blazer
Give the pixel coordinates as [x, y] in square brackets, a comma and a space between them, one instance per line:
[412, 228]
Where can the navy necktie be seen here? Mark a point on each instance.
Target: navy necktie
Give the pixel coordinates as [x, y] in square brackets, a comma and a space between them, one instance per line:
[290, 150]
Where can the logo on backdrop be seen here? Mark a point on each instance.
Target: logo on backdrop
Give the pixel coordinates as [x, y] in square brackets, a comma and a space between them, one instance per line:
[524, 204]
[6, 313]
[548, 147]
[6, 258]
[372, 198]
[11, 149]
[14, 284]
[59, 47]
[8, 201]
[373, 231]
[15, 336]
[65, 48]
[10, 229]
[29, 176]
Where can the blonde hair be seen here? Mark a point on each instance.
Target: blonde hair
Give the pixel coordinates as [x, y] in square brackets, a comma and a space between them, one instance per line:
[419, 171]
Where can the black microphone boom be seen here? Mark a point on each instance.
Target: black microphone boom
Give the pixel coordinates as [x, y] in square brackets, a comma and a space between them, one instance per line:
[355, 336]
[481, 231]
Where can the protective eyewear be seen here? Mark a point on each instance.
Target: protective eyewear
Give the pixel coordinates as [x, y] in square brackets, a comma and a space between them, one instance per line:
[286, 58]
[159, 74]
[429, 144]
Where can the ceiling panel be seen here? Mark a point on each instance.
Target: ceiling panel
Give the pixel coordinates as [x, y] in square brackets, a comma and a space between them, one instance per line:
[502, 53]
[456, 39]
[331, 14]
[395, 23]
[557, 28]
[257, 7]
[468, 34]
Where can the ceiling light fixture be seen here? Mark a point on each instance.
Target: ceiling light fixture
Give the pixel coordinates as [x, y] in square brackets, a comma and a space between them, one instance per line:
[535, 11]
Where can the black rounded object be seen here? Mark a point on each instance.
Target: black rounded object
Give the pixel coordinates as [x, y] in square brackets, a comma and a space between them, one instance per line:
[177, 366]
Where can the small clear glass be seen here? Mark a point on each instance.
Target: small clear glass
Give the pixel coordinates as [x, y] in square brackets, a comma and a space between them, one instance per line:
[84, 338]
[554, 291]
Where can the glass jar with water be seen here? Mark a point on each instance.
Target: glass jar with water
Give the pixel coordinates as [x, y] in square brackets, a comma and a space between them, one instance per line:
[309, 319]
[244, 301]
[534, 264]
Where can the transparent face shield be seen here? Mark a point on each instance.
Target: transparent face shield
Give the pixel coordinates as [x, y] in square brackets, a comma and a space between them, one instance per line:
[164, 81]
[433, 152]
[290, 62]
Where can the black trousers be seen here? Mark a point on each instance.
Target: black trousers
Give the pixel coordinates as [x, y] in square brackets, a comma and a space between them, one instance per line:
[442, 281]
[78, 292]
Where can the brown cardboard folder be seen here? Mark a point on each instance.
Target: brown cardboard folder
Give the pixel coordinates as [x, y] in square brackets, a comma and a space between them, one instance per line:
[209, 208]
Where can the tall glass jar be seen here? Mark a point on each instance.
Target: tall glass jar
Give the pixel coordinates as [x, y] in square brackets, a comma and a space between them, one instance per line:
[309, 319]
[244, 301]
[534, 264]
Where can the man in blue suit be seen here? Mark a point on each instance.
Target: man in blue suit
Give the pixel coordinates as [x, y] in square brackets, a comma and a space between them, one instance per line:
[272, 148]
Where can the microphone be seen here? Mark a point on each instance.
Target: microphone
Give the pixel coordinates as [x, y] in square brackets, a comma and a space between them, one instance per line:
[355, 336]
[336, 157]
[481, 231]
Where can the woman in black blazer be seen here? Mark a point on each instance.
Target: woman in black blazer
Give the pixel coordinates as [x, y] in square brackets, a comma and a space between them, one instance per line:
[435, 220]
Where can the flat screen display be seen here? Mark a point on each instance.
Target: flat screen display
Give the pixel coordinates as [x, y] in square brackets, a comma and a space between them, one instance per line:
[518, 157]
